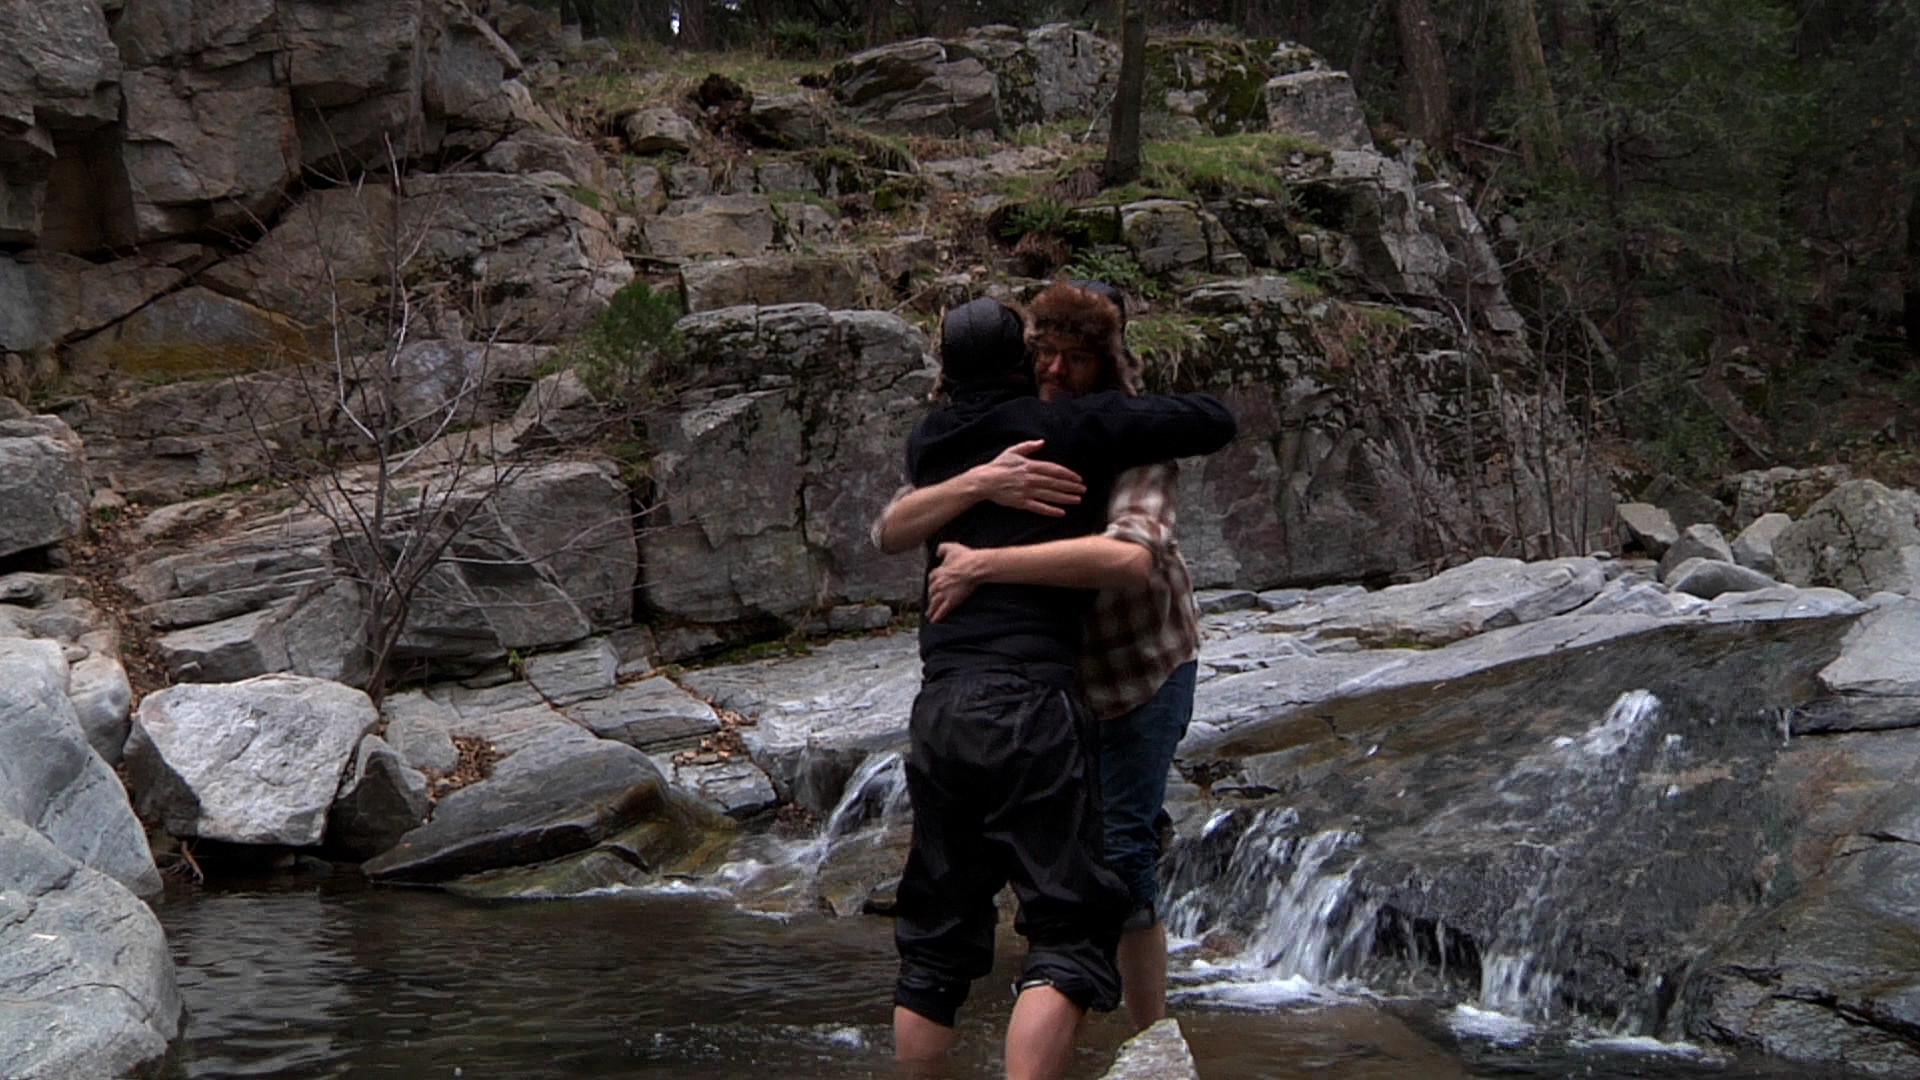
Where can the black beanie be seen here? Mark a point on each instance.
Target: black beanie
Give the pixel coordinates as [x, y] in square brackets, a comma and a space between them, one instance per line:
[981, 341]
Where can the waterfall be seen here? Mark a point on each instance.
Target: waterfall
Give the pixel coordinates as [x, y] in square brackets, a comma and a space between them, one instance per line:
[1290, 901]
[877, 791]
[1298, 919]
[1519, 968]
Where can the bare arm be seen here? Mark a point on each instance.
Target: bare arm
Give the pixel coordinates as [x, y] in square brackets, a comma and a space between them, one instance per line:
[1014, 479]
[1084, 562]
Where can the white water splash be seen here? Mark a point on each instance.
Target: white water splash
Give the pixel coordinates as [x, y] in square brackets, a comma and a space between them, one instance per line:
[1494, 1027]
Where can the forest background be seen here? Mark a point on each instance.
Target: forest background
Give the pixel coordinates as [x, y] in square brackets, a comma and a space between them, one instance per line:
[1709, 210]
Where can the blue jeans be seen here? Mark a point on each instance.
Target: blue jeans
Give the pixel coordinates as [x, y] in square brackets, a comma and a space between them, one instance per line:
[1136, 750]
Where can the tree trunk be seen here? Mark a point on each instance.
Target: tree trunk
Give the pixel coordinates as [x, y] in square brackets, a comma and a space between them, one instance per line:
[1123, 137]
[1533, 91]
[1426, 66]
[693, 24]
[1912, 297]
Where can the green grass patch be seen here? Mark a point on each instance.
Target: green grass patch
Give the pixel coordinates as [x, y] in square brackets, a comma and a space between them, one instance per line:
[1205, 166]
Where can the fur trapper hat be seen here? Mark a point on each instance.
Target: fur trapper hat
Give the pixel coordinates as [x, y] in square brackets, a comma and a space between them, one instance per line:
[1068, 315]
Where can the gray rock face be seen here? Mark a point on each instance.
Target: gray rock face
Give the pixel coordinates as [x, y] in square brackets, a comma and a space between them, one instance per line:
[1696, 542]
[561, 791]
[53, 781]
[549, 261]
[765, 495]
[716, 225]
[381, 800]
[1158, 1053]
[830, 281]
[1319, 106]
[1863, 537]
[737, 788]
[420, 730]
[1779, 490]
[43, 484]
[254, 762]
[1753, 548]
[652, 714]
[47, 298]
[87, 978]
[1485, 594]
[548, 559]
[531, 150]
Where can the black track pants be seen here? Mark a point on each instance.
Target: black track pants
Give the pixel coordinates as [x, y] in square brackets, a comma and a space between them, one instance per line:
[1005, 788]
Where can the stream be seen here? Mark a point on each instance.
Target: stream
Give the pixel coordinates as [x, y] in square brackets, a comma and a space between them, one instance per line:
[323, 976]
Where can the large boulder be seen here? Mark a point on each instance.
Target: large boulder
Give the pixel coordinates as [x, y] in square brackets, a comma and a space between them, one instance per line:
[43, 484]
[52, 780]
[254, 762]
[1319, 106]
[1862, 537]
[561, 791]
[734, 226]
[84, 967]
[1169, 235]
[1052, 72]
[915, 87]
[381, 799]
[830, 281]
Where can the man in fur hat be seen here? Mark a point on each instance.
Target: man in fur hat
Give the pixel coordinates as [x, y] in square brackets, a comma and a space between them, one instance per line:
[1001, 768]
[1139, 664]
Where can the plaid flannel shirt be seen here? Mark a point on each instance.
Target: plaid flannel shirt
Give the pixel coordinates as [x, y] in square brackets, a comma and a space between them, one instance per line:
[1136, 637]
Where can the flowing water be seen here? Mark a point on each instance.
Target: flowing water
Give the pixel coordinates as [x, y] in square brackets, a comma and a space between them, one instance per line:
[326, 977]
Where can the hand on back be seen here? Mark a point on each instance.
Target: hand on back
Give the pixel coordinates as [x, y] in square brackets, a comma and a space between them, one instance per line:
[1020, 481]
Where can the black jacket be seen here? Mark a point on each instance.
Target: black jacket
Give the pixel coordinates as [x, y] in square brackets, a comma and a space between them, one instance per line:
[1097, 436]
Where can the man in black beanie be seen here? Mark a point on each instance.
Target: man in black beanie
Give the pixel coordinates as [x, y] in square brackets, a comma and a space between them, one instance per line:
[1002, 770]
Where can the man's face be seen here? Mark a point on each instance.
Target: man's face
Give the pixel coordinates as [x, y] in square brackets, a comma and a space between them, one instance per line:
[1065, 373]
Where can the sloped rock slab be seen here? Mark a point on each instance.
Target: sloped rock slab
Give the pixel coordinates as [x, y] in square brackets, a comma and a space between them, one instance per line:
[652, 714]
[817, 717]
[1270, 709]
[1485, 594]
[1825, 976]
[51, 779]
[84, 968]
[254, 762]
[561, 792]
